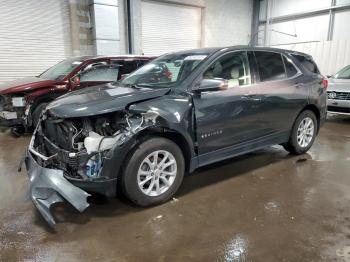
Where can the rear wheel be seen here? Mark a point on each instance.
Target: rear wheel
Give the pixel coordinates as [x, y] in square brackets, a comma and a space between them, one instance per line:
[153, 172]
[303, 133]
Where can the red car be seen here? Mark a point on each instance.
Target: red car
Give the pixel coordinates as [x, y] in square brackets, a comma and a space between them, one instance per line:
[22, 100]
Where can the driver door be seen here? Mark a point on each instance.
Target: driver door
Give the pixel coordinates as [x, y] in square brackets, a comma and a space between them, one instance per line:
[227, 118]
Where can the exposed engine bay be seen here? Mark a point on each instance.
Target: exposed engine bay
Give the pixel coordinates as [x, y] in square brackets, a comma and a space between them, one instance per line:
[79, 146]
[13, 107]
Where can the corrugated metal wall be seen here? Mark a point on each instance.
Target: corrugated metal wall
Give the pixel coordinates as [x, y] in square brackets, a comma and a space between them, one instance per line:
[317, 27]
[34, 35]
[330, 56]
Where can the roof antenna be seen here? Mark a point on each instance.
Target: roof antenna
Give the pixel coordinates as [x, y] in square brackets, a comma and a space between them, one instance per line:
[271, 30]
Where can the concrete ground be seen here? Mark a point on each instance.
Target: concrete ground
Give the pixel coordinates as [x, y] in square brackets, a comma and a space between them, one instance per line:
[265, 206]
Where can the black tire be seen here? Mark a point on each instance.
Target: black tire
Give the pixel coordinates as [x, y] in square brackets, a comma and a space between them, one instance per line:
[36, 114]
[129, 178]
[17, 131]
[292, 145]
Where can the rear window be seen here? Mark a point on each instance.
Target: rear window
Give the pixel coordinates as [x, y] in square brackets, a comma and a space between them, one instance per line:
[270, 66]
[307, 63]
[125, 67]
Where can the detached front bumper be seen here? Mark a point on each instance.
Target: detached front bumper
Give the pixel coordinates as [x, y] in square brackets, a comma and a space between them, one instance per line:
[49, 186]
[7, 120]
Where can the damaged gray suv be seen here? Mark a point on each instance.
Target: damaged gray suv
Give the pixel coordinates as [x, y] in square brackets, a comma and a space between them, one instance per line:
[177, 113]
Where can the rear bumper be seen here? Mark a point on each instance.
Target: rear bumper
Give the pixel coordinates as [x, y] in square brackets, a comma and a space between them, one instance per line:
[49, 186]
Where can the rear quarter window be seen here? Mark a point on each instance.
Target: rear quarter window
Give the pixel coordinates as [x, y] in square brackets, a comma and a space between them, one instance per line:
[290, 68]
[307, 63]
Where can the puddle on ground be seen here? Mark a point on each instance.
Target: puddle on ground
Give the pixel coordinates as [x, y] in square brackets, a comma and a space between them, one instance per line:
[344, 253]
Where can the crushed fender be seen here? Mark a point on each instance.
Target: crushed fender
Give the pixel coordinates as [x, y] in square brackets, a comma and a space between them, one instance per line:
[97, 143]
[81, 156]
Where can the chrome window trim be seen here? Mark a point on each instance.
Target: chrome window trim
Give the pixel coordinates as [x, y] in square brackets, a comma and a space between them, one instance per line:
[200, 76]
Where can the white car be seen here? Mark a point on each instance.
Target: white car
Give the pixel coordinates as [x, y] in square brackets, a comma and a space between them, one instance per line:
[339, 92]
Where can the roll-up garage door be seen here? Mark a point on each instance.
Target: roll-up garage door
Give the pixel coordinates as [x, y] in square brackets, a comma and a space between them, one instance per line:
[169, 27]
[34, 35]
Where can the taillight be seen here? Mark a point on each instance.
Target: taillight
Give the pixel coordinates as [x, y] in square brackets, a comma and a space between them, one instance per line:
[325, 83]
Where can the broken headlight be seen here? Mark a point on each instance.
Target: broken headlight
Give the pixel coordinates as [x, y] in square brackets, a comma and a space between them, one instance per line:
[18, 102]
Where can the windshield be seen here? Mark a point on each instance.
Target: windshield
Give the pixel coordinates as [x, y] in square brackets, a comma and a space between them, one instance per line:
[343, 74]
[60, 70]
[165, 71]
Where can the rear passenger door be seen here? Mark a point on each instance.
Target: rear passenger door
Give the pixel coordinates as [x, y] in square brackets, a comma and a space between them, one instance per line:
[282, 92]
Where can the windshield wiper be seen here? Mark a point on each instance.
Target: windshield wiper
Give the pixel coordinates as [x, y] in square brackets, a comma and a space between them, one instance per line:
[135, 86]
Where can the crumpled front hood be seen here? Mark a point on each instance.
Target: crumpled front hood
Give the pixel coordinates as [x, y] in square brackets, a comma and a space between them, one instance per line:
[339, 85]
[100, 100]
[25, 85]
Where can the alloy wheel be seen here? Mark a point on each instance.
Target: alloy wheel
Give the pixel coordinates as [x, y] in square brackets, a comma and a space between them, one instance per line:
[305, 132]
[157, 173]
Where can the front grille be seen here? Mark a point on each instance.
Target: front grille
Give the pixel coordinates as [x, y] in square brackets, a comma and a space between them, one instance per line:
[339, 95]
[63, 160]
[339, 109]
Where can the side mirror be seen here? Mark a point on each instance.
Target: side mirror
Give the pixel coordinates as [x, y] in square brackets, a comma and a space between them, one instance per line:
[329, 76]
[75, 81]
[215, 84]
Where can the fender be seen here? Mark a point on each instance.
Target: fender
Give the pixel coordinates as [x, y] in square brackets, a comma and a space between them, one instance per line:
[42, 96]
[175, 113]
[49, 93]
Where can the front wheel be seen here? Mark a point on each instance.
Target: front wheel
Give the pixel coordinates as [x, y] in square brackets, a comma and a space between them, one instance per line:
[303, 133]
[153, 172]
[36, 114]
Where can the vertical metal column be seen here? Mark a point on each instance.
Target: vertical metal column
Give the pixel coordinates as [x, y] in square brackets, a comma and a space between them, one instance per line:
[129, 26]
[255, 23]
[269, 6]
[331, 21]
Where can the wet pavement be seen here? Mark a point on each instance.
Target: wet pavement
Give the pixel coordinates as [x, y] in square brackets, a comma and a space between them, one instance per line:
[264, 206]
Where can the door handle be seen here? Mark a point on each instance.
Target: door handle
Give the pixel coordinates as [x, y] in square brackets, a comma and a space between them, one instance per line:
[298, 85]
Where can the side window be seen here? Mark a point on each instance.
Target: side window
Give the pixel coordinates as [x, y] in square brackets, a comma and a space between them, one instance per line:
[343, 74]
[125, 67]
[307, 63]
[270, 66]
[233, 67]
[290, 68]
[100, 73]
[99, 63]
[142, 62]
